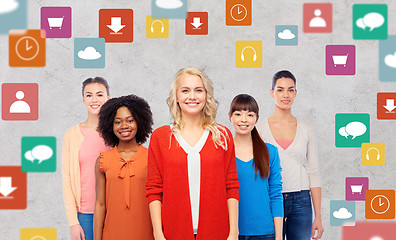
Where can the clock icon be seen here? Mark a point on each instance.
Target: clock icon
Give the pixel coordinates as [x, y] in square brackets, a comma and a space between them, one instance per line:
[380, 204]
[27, 48]
[238, 12]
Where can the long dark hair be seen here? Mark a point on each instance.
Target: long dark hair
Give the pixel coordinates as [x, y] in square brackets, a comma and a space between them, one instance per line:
[261, 163]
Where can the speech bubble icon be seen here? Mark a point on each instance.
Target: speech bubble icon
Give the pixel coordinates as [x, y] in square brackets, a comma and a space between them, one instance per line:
[360, 23]
[29, 156]
[42, 152]
[355, 129]
[343, 132]
[373, 20]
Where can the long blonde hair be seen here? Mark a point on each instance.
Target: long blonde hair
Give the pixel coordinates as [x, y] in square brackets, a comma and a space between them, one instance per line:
[208, 114]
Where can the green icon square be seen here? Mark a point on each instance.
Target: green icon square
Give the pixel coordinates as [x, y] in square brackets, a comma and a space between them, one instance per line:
[352, 129]
[370, 21]
[38, 154]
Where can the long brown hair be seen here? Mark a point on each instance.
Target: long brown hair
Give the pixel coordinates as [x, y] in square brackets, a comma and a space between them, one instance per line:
[261, 163]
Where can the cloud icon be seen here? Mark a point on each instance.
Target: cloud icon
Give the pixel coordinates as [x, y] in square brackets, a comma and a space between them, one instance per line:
[286, 34]
[342, 213]
[169, 4]
[7, 6]
[89, 53]
[390, 60]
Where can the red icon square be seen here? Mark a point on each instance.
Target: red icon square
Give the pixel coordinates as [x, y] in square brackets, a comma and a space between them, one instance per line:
[386, 108]
[19, 101]
[317, 17]
[197, 23]
[13, 191]
[116, 25]
[370, 231]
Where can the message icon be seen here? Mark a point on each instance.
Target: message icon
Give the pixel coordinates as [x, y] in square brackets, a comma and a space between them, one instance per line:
[340, 60]
[248, 54]
[386, 108]
[19, 101]
[38, 154]
[286, 35]
[13, 15]
[342, 213]
[26, 48]
[157, 28]
[38, 233]
[317, 17]
[373, 154]
[387, 59]
[352, 129]
[56, 21]
[370, 21]
[169, 9]
[13, 193]
[380, 204]
[355, 188]
[89, 52]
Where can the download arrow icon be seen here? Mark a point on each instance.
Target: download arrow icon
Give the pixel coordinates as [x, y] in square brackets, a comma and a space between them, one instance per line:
[390, 105]
[196, 22]
[5, 186]
[116, 25]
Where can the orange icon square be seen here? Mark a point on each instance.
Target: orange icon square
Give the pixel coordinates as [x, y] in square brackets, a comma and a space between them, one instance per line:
[238, 12]
[197, 23]
[116, 25]
[380, 204]
[26, 48]
[12, 187]
[317, 17]
[386, 108]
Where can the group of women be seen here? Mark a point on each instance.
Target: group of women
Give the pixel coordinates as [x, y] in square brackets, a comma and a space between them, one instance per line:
[195, 181]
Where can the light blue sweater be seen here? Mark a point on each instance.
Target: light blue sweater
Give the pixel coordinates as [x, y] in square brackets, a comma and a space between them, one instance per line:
[260, 200]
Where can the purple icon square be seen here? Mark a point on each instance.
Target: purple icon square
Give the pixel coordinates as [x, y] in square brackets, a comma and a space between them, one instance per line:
[340, 60]
[355, 188]
[56, 21]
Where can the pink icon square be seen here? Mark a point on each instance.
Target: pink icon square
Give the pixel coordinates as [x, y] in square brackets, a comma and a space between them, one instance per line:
[317, 17]
[19, 101]
[56, 21]
[340, 60]
[355, 188]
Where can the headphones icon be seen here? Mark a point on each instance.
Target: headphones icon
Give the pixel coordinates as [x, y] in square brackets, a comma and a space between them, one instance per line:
[162, 26]
[367, 153]
[254, 56]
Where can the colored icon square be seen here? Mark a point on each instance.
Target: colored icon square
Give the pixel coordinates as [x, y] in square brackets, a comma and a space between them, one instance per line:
[38, 233]
[19, 101]
[248, 54]
[38, 154]
[157, 28]
[342, 213]
[386, 108]
[380, 204]
[387, 59]
[373, 154]
[355, 188]
[317, 17]
[197, 23]
[370, 21]
[286, 35]
[169, 9]
[13, 15]
[89, 52]
[26, 48]
[238, 12]
[370, 231]
[340, 60]
[13, 193]
[116, 25]
[56, 21]
[352, 129]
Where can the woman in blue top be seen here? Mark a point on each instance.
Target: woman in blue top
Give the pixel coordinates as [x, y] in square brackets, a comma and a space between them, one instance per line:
[259, 172]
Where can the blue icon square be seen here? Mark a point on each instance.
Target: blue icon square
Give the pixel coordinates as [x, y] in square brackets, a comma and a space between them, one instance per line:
[286, 35]
[169, 9]
[89, 52]
[342, 213]
[13, 15]
[387, 59]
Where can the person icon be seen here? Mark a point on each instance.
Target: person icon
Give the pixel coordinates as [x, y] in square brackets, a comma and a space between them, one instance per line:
[317, 21]
[20, 106]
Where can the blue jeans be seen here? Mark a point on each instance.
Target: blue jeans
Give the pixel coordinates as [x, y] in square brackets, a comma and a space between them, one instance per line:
[86, 222]
[257, 237]
[297, 221]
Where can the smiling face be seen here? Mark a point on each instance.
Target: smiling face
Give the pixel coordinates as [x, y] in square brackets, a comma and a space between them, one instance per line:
[190, 95]
[124, 125]
[284, 93]
[94, 96]
[243, 121]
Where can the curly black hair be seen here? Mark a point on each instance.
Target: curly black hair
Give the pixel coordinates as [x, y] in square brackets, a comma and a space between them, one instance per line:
[140, 110]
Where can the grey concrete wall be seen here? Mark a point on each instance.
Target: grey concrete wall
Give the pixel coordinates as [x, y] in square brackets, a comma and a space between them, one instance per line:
[146, 68]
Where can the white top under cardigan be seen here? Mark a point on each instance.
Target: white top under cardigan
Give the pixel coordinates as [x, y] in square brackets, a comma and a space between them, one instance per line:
[299, 161]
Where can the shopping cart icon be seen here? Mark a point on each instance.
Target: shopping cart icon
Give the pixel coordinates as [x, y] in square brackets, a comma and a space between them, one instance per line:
[55, 22]
[356, 189]
[340, 60]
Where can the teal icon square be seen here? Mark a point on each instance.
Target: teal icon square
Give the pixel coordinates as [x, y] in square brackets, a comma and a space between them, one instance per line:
[89, 52]
[38, 154]
[342, 213]
[387, 59]
[352, 129]
[286, 35]
[169, 9]
[370, 21]
[13, 15]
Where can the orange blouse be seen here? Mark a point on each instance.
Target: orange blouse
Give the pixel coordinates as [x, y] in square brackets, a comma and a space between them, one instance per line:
[127, 212]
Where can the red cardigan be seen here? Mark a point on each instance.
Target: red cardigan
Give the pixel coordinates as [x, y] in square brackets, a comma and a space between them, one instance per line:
[167, 181]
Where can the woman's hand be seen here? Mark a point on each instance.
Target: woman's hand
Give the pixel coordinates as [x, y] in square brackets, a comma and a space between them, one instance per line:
[159, 236]
[76, 232]
[317, 226]
[232, 237]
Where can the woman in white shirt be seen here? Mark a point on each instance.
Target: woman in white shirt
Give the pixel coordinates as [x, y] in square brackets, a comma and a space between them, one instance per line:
[299, 160]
